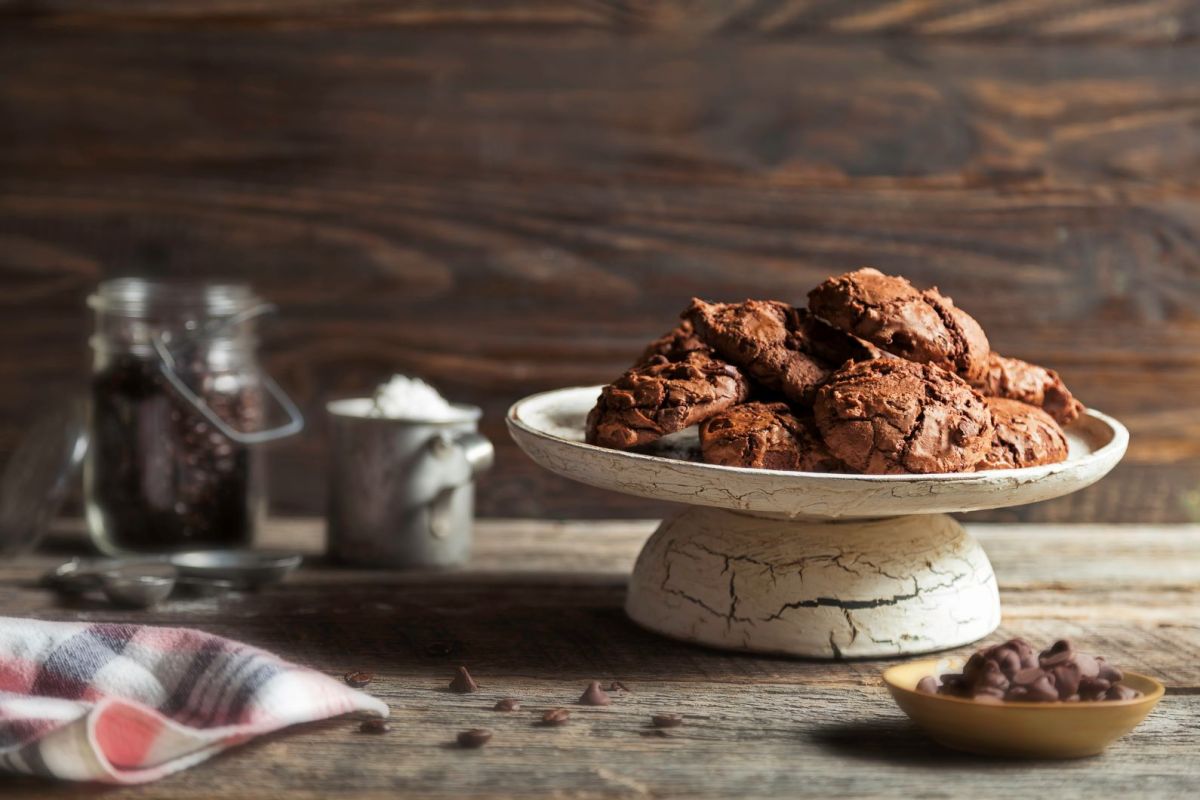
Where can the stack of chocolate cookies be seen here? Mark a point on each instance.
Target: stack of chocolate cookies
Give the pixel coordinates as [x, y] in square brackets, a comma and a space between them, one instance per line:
[874, 377]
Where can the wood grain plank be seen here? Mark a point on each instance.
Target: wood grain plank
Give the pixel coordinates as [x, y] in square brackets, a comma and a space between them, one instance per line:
[505, 211]
[539, 614]
[1156, 21]
[1121, 328]
[776, 741]
[293, 106]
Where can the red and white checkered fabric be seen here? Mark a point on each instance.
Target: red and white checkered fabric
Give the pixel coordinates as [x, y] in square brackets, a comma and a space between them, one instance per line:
[131, 703]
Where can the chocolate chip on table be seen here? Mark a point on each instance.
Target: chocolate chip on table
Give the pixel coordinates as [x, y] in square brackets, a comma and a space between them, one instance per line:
[593, 695]
[375, 725]
[474, 738]
[507, 704]
[617, 686]
[463, 683]
[555, 717]
[358, 679]
[667, 720]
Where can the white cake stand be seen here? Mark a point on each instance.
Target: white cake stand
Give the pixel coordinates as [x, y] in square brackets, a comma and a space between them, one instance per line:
[801, 563]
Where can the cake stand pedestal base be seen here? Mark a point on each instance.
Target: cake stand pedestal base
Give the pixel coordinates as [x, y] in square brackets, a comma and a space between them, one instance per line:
[817, 589]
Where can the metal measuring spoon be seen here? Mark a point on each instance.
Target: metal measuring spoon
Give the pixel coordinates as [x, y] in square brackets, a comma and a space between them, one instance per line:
[138, 585]
[245, 569]
[202, 587]
[82, 575]
[143, 581]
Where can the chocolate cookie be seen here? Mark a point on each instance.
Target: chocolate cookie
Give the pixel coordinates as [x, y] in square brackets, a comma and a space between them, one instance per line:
[1031, 384]
[833, 346]
[765, 436]
[662, 397]
[1025, 436]
[674, 345]
[765, 338]
[894, 315]
[892, 416]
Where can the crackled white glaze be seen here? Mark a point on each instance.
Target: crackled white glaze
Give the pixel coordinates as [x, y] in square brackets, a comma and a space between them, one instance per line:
[549, 427]
[807, 564]
[848, 589]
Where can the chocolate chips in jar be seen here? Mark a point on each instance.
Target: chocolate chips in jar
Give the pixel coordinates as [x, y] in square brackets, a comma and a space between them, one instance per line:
[1013, 671]
[160, 475]
[178, 403]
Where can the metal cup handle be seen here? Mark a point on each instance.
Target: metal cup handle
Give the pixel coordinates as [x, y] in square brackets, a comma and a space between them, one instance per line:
[477, 455]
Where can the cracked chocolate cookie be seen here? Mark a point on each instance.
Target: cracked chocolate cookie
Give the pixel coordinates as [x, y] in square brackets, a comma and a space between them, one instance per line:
[765, 436]
[891, 313]
[773, 343]
[1030, 384]
[891, 416]
[674, 345]
[832, 346]
[1026, 436]
[661, 397]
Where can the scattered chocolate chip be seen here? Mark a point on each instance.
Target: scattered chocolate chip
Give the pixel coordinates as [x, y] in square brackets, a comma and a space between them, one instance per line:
[556, 716]
[507, 704]
[667, 720]
[463, 683]
[593, 695]
[617, 686]
[437, 649]
[476, 737]
[375, 725]
[358, 679]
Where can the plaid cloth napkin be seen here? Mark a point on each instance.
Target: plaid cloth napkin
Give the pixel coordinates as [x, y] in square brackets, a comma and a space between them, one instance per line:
[130, 703]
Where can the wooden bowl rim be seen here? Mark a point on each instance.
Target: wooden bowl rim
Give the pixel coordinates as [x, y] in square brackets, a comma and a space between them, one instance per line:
[1150, 697]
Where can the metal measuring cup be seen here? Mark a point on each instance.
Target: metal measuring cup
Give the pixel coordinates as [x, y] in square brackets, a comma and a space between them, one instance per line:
[401, 491]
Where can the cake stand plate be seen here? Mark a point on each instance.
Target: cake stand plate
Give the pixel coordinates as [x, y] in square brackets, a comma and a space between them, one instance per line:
[802, 563]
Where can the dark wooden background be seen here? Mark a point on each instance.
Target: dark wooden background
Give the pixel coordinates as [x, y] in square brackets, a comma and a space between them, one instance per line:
[505, 197]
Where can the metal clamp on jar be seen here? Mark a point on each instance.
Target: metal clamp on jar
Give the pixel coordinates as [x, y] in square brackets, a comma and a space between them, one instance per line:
[178, 401]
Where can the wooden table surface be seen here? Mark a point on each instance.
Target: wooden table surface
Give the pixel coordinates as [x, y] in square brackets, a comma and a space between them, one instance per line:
[538, 615]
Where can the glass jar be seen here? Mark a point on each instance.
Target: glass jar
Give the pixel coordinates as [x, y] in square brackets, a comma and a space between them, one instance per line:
[178, 402]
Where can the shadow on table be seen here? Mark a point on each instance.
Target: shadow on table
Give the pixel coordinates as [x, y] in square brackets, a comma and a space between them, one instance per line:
[897, 742]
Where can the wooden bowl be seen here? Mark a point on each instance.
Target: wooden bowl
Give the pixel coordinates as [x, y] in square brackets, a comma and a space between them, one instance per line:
[1018, 729]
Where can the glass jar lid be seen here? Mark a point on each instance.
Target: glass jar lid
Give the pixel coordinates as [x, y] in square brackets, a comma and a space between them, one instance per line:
[144, 298]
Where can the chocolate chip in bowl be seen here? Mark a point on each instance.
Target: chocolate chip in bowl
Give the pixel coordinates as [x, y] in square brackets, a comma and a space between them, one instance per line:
[1009, 700]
